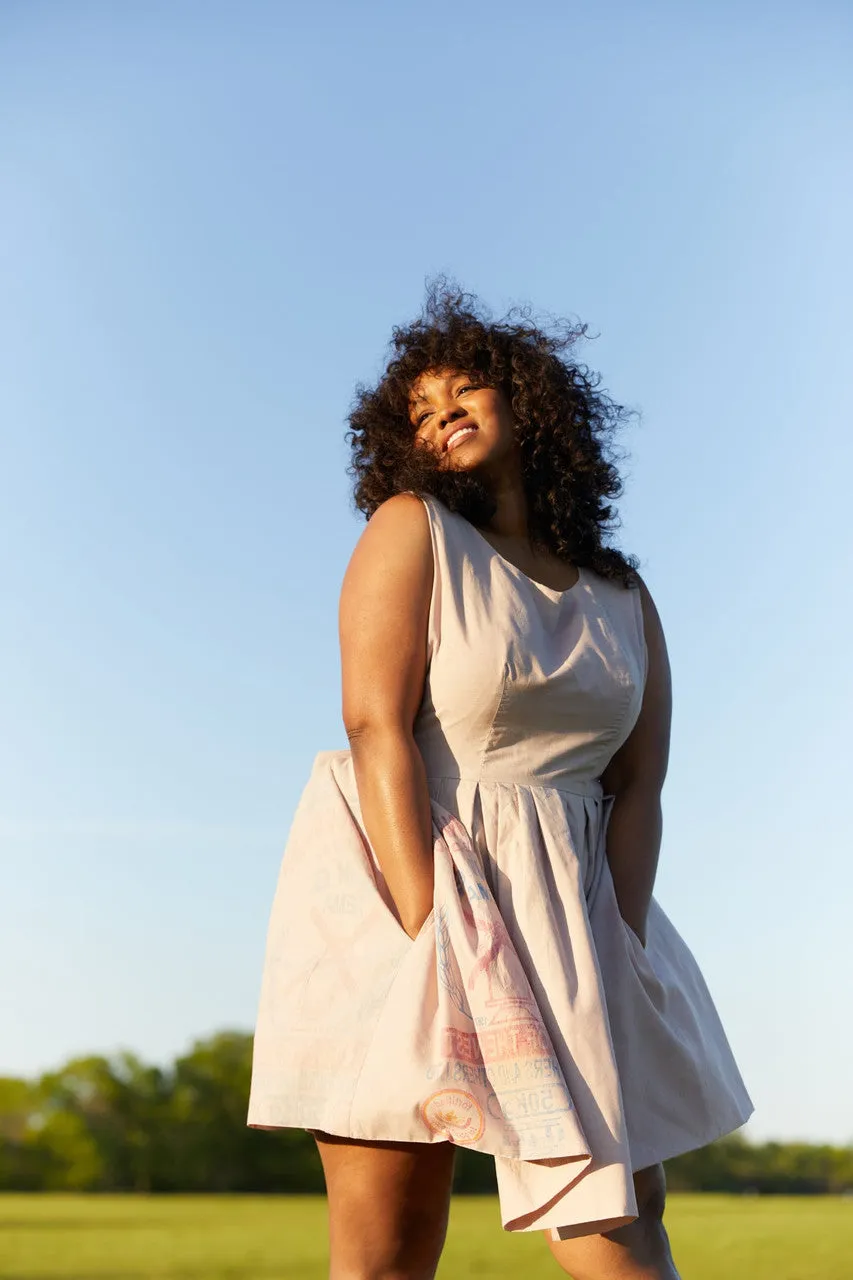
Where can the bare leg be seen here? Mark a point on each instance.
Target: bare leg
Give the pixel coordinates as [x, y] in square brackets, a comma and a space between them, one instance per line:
[389, 1204]
[639, 1251]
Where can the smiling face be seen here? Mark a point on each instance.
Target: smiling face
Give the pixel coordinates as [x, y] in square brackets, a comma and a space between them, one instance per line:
[467, 425]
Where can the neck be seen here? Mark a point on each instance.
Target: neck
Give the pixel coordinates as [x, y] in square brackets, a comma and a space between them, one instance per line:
[510, 518]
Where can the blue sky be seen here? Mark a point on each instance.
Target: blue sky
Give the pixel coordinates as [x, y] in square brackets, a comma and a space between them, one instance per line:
[211, 216]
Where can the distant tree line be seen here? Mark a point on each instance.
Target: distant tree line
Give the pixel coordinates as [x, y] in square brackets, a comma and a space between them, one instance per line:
[116, 1124]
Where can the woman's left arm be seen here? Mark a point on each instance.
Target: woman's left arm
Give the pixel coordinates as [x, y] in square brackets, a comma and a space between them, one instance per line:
[635, 777]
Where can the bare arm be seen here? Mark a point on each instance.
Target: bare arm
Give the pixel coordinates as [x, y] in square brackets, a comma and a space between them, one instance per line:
[384, 611]
[635, 776]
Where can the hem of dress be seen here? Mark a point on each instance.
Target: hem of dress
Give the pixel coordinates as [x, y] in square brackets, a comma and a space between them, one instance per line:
[650, 1156]
[647, 1157]
[356, 1137]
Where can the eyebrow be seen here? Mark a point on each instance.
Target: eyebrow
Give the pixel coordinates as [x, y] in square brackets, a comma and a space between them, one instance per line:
[456, 377]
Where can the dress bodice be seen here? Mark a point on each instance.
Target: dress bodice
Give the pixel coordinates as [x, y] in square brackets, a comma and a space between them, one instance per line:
[524, 683]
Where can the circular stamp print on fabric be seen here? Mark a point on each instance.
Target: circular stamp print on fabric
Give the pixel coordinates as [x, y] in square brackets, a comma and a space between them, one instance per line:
[455, 1113]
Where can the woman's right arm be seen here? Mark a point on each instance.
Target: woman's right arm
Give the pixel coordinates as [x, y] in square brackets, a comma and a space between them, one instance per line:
[384, 612]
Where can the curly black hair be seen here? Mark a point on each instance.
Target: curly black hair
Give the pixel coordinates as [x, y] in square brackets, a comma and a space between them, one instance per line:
[564, 425]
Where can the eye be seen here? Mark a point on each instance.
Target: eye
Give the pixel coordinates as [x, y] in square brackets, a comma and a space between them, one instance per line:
[466, 387]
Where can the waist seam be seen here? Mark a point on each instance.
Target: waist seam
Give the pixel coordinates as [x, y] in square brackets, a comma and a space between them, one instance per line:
[592, 789]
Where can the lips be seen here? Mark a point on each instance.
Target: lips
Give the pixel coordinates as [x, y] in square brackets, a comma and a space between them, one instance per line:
[456, 437]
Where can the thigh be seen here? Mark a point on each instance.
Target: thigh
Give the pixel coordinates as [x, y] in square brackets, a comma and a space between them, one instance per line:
[389, 1204]
[638, 1251]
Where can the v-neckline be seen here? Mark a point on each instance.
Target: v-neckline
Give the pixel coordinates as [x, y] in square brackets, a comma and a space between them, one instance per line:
[551, 591]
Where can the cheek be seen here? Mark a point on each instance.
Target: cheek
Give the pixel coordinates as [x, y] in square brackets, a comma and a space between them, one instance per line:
[501, 415]
[506, 424]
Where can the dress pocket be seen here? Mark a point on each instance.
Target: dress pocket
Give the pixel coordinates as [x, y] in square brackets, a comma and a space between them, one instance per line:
[633, 934]
[430, 920]
[425, 927]
[644, 967]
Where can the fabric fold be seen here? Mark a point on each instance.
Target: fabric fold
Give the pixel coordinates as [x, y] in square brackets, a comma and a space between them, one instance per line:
[451, 1045]
[498, 1026]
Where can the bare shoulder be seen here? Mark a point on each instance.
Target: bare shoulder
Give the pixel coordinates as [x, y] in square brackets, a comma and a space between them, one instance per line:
[403, 517]
[384, 615]
[394, 553]
[644, 754]
[651, 617]
[659, 675]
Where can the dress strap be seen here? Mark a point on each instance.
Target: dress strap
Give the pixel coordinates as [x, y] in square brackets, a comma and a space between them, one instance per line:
[439, 574]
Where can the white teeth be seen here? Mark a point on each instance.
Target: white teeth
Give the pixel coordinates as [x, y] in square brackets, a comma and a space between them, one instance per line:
[462, 431]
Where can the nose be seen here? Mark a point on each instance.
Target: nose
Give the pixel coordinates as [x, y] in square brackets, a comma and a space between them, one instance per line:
[450, 412]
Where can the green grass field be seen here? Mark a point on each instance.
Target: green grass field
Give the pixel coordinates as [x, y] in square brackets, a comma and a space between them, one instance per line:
[45, 1237]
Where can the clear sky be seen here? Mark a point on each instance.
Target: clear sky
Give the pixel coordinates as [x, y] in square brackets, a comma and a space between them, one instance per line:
[211, 214]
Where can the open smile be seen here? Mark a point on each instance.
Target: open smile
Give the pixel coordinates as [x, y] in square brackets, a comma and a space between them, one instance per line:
[456, 437]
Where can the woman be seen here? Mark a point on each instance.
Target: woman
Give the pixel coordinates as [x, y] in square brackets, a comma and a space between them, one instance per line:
[464, 946]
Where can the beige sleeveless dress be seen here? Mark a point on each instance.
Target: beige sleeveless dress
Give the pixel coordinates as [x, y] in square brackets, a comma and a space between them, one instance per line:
[526, 1019]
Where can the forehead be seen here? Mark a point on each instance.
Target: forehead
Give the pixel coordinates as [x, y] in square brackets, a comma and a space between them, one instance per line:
[433, 380]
